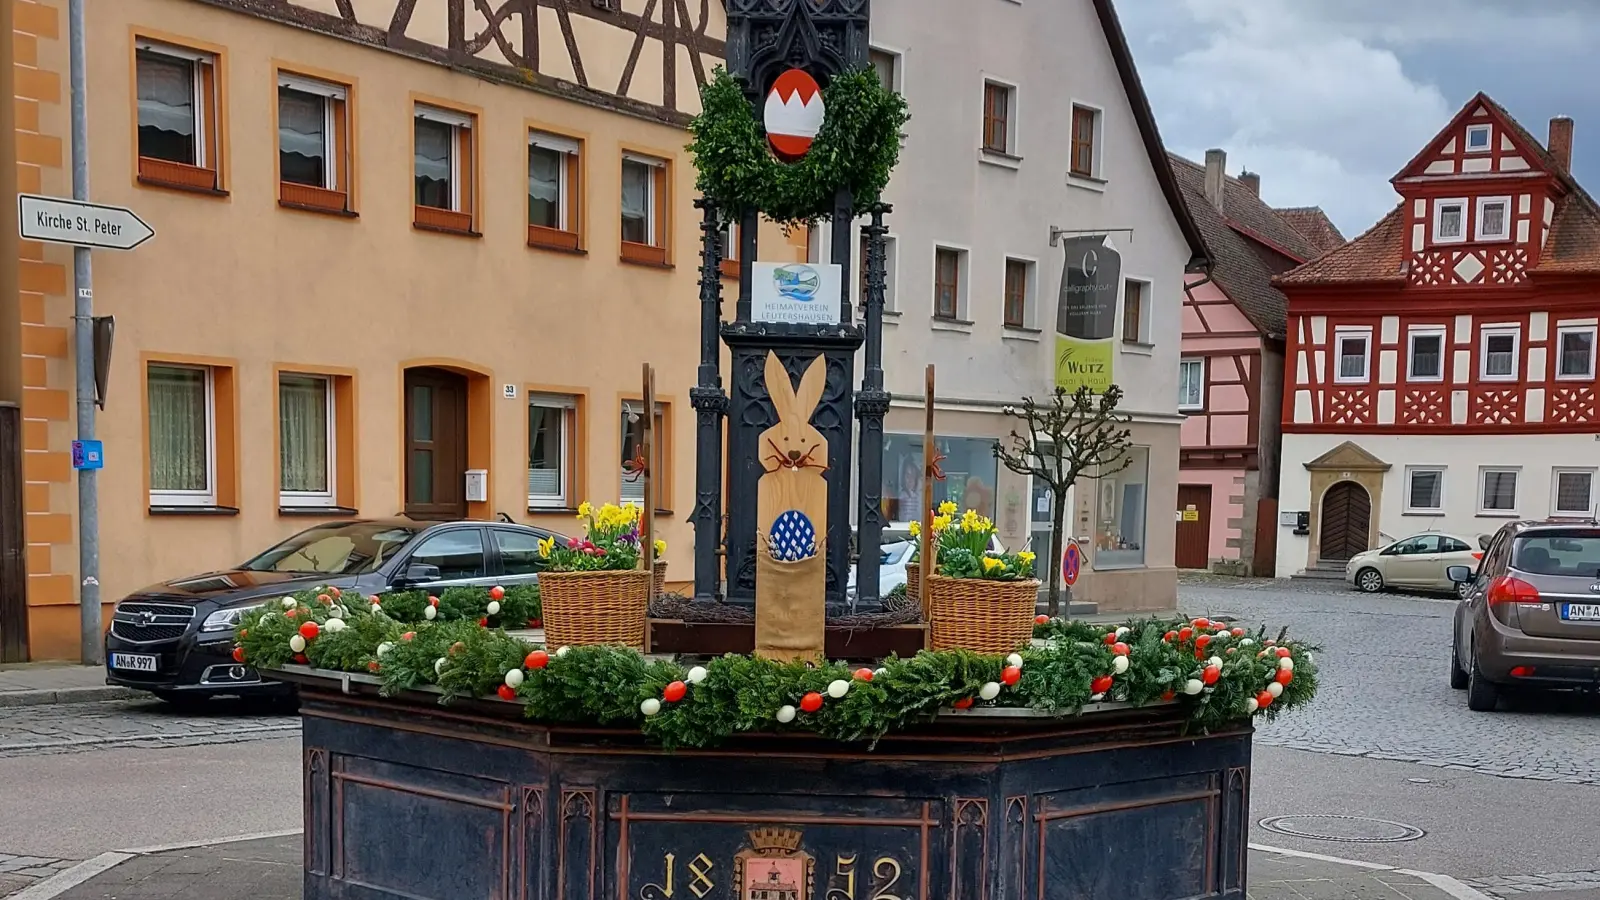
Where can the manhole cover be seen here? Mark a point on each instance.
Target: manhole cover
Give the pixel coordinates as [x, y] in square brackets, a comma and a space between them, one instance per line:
[1348, 829]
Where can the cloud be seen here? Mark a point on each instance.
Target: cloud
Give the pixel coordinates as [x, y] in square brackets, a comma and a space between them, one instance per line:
[1325, 117]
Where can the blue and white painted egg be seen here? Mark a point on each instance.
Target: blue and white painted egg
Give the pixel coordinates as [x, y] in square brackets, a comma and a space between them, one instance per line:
[792, 537]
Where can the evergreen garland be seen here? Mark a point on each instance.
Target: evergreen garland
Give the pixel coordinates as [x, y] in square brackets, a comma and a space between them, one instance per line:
[857, 148]
[612, 686]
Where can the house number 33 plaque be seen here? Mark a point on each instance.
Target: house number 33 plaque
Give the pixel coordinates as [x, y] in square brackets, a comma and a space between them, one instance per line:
[774, 865]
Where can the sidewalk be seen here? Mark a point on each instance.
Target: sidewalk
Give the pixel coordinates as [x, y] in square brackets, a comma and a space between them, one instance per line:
[269, 869]
[33, 684]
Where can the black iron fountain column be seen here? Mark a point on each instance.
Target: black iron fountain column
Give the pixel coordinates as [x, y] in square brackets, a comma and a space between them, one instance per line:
[872, 404]
[711, 407]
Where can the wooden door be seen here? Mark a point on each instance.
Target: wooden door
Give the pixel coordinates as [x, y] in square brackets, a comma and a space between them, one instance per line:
[436, 444]
[13, 546]
[1194, 526]
[1346, 521]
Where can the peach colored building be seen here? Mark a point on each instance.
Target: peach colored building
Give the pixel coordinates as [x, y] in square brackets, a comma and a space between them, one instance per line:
[1230, 382]
[395, 243]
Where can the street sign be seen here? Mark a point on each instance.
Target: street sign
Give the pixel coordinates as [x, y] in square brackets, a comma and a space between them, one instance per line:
[61, 221]
[1071, 563]
[88, 455]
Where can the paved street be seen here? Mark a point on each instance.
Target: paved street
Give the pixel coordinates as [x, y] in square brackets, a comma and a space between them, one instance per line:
[1387, 766]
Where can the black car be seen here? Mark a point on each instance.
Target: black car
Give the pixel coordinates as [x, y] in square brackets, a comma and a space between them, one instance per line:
[176, 639]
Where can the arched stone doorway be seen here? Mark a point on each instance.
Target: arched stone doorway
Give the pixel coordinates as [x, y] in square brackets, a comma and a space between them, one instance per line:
[1346, 521]
[445, 432]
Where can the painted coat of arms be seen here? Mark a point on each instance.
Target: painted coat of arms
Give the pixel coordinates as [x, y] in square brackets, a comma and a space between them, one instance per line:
[774, 867]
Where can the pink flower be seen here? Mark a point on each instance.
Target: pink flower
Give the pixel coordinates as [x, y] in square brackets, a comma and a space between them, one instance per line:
[573, 543]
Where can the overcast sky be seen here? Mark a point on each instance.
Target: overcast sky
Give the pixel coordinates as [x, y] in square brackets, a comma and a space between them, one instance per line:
[1327, 99]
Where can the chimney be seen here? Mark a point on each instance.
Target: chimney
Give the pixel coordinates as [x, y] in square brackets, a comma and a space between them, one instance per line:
[1216, 162]
[1251, 181]
[1560, 143]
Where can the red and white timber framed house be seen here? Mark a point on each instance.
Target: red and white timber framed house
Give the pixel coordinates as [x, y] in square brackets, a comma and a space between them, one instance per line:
[1230, 379]
[1441, 367]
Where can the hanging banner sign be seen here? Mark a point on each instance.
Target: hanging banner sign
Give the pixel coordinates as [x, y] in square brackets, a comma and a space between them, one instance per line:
[1086, 313]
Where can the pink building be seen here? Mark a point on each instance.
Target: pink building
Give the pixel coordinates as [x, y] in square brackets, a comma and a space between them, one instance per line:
[1230, 382]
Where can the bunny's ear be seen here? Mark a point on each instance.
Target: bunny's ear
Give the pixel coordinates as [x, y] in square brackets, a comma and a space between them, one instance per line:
[811, 386]
[779, 388]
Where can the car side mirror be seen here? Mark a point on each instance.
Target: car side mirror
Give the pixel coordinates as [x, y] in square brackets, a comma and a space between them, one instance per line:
[420, 573]
[1460, 574]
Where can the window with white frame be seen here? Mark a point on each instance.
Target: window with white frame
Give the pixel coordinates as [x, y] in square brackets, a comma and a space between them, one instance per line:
[1191, 384]
[1494, 218]
[641, 195]
[1424, 489]
[887, 66]
[1478, 138]
[1497, 491]
[551, 422]
[1497, 353]
[552, 181]
[1083, 160]
[305, 440]
[632, 490]
[443, 138]
[177, 103]
[999, 112]
[1135, 311]
[182, 435]
[1449, 221]
[949, 283]
[311, 131]
[1572, 492]
[1353, 351]
[1425, 354]
[1575, 350]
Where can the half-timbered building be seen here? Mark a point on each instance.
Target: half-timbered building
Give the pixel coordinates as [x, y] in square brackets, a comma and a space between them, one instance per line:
[1230, 376]
[409, 256]
[1441, 367]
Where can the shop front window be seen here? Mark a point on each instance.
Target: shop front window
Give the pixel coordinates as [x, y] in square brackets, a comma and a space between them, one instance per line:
[969, 468]
[1120, 516]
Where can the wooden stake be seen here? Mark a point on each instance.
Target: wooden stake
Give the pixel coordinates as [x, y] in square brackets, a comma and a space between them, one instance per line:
[930, 550]
[647, 516]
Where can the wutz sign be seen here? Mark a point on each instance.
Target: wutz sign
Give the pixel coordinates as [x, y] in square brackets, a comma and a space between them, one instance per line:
[1086, 314]
[795, 293]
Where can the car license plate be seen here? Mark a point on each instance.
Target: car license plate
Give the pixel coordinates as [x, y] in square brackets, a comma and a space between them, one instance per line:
[133, 662]
[1581, 612]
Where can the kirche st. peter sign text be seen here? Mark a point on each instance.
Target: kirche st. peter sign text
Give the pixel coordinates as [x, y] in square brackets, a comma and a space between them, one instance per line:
[59, 221]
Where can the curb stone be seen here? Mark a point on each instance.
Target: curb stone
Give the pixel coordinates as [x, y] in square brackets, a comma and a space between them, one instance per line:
[10, 699]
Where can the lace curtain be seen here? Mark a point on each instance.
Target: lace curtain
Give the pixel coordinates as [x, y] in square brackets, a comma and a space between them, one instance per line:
[303, 433]
[166, 94]
[544, 187]
[635, 202]
[544, 451]
[302, 136]
[178, 444]
[433, 163]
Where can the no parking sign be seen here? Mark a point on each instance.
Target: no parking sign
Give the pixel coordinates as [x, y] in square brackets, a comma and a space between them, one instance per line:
[1071, 563]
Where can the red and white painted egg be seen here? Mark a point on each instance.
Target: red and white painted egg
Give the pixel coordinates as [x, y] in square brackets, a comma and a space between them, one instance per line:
[793, 114]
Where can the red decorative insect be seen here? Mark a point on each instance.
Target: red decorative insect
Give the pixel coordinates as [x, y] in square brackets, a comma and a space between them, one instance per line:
[634, 469]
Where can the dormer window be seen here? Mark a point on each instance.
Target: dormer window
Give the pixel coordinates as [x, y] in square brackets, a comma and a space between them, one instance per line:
[1449, 221]
[1494, 219]
[1478, 137]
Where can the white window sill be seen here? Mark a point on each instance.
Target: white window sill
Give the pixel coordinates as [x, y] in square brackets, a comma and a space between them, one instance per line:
[1138, 348]
[1583, 377]
[1350, 381]
[1088, 183]
[955, 325]
[1428, 380]
[1497, 514]
[1012, 333]
[1425, 513]
[999, 160]
[1192, 410]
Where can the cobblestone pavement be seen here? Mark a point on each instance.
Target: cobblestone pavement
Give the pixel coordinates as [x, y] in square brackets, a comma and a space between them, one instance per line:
[18, 872]
[1539, 886]
[68, 728]
[1384, 693]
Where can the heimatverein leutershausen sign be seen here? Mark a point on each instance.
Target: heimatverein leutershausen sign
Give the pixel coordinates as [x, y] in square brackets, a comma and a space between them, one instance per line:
[1086, 314]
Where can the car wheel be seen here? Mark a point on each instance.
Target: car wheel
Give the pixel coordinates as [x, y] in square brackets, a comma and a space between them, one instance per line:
[1464, 590]
[1458, 675]
[1483, 695]
[1369, 581]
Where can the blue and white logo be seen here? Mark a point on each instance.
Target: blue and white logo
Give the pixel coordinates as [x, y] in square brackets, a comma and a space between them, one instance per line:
[796, 282]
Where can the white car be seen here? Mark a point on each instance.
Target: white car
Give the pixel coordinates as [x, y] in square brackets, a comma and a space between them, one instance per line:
[895, 552]
[1420, 562]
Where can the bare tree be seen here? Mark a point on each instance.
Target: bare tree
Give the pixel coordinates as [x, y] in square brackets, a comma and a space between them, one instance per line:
[1072, 436]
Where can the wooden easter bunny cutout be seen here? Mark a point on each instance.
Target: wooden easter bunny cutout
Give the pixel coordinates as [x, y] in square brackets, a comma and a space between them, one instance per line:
[792, 519]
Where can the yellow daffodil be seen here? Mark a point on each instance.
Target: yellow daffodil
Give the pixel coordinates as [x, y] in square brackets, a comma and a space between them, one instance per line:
[547, 546]
[990, 564]
[915, 528]
[947, 508]
[661, 547]
[585, 509]
[940, 523]
[1025, 557]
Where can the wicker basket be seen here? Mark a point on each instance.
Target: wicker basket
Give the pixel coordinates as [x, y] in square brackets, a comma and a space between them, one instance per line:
[914, 582]
[661, 577]
[980, 615]
[595, 607]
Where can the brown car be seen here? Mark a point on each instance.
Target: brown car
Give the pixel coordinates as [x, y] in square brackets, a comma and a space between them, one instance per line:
[1531, 616]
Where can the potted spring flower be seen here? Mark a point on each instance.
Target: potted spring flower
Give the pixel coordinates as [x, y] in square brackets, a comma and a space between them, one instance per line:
[592, 588]
[980, 600]
[941, 521]
[660, 568]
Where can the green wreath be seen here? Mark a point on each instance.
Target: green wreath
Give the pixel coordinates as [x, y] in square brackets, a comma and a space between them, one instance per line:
[857, 148]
